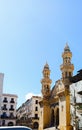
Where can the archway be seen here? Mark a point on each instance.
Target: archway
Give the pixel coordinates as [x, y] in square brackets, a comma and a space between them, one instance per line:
[10, 124]
[57, 117]
[35, 125]
[52, 117]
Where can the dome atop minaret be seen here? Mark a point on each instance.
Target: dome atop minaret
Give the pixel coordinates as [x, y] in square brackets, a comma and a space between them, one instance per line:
[46, 70]
[46, 66]
[66, 49]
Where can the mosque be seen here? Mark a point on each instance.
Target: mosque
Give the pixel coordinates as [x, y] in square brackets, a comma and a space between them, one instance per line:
[56, 108]
[55, 104]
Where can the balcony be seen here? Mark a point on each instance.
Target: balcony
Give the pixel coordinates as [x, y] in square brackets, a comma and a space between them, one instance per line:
[11, 109]
[35, 118]
[12, 101]
[4, 108]
[8, 117]
[12, 117]
[4, 115]
[5, 101]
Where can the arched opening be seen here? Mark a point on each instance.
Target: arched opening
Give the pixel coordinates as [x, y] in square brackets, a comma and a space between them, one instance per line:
[52, 117]
[10, 124]
[57, 117]
[3, 122]
[35, 125]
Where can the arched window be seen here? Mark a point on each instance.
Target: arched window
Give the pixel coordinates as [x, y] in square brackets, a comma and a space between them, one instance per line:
[57, 117]
[52, 117]
[35, 125]
[10, 124]
[36, 108]
[70, 74]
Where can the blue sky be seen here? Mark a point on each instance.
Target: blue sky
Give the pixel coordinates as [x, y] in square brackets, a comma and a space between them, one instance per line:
[33, 32]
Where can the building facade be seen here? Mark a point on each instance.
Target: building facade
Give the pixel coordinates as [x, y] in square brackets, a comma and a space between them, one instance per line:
[28, 113]
[55, 103]
[76, 100]
[1, 91]
[8, 104]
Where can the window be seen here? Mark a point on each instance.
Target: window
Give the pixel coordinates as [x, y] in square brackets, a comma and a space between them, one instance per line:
[4, 107]
[11, 115]
[12, 100]
[3, 122]
[36, 115]
[4, 115]
[36, 108]
[70, 74]
[11, 107]
[36, 101]
[47, 86]
[5, 99]
[66, 60]
[47, 75]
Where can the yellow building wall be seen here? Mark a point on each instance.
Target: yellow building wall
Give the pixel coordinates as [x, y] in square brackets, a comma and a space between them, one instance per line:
[46, 116]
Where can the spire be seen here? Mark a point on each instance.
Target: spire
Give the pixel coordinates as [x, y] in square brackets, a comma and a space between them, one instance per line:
[46, 66]
[66, 49]
[46, 70]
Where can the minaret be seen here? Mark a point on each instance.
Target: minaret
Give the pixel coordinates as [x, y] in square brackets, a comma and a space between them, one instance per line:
[46, 83]
[67, 67]
[64, 92]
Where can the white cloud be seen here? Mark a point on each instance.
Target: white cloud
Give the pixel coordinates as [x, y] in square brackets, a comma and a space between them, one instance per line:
[29, 95]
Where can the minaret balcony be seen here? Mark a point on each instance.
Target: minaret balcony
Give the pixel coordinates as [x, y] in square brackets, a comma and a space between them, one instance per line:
[46, 80]
[67, 66]
[67, 54]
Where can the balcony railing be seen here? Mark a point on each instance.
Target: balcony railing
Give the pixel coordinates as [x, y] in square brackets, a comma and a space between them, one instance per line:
[11, 109]
[5, 101]
[12, 117]
[7, 117]
[12, 101]
[4, 108]
[35, 118]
